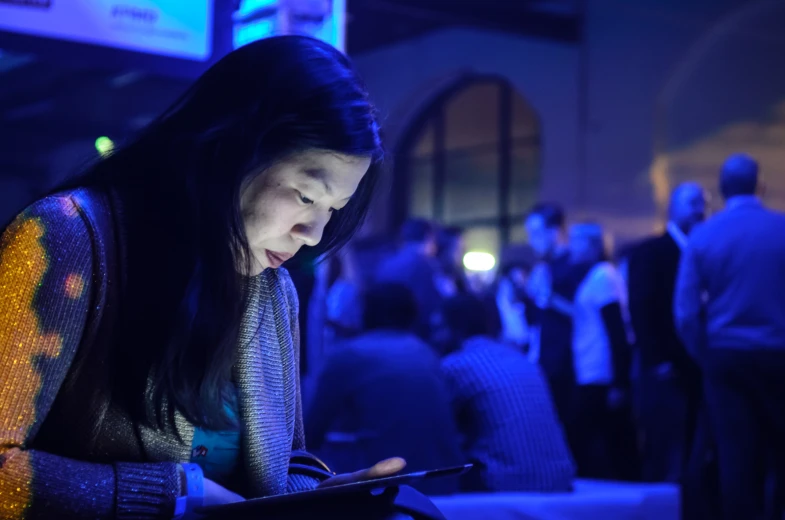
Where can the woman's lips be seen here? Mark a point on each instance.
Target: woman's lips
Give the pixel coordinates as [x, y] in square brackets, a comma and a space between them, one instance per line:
[276, 259]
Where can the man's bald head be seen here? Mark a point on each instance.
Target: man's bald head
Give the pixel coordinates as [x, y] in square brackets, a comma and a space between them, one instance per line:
[739, 176]
[687, 205]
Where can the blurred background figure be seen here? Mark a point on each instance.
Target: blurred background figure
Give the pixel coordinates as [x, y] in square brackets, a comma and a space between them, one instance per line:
[668, 390]
[729, 308]
[450, 249]
[511, 284]
[600, 422]
[382, 393]
[344, 307]
[505, 414]
[552, 281]
[414, 266]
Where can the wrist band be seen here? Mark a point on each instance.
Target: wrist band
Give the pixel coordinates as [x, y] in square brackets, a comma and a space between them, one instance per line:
[193, 479]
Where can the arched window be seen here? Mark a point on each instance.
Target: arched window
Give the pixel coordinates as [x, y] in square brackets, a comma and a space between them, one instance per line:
[471, 159]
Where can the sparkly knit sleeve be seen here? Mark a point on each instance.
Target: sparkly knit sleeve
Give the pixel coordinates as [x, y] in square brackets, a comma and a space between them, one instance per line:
[297, 480]
[294, 318]
[46, 286]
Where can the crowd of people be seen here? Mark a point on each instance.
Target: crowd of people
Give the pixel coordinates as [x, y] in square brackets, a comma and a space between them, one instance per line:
[424, 374]
[658, 364]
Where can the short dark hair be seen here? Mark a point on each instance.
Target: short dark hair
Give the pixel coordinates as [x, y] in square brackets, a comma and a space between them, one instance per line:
[389, 306]
[739, 176]
[551, 213]
[417, 230]
[467, 316]
[447, 235]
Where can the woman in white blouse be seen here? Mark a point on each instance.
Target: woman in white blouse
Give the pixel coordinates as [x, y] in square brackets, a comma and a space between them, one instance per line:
[602, 437]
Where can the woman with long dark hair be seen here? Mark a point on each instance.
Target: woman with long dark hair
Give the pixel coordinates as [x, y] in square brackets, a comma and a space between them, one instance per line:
[148, 334]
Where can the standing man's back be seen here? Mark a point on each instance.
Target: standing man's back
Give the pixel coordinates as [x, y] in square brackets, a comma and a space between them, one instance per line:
[742, 255]
[729, 308]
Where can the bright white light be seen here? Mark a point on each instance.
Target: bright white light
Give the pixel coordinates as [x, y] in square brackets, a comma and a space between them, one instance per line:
[478, 261]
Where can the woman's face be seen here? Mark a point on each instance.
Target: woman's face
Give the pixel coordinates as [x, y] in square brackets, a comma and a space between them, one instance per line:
[542, 239]
[288, 205]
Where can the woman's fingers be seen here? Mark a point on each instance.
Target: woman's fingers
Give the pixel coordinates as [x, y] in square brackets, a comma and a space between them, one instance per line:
[381, 469]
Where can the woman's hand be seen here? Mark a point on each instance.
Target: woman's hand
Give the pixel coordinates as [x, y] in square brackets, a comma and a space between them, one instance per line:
[381, 469]
[561, 305]
[216, 495]
[538, 286]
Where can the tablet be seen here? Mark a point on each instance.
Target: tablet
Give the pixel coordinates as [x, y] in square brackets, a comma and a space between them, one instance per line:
[332, 491]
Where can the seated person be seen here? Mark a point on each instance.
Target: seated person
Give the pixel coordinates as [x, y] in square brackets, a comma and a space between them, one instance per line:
[414, 265]
[503, 408]
[384, 388]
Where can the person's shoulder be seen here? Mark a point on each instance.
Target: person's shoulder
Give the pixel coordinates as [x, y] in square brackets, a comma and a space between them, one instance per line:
[607, 271]
[389, 268]
[708, 230]
[454, 361]
[751, 215]
[775, 215]
[57, 219]
[424, 352]
[773, 221]
[288, 288]
[50, 244]
[52, 207]
[603, 274]
[473, 353]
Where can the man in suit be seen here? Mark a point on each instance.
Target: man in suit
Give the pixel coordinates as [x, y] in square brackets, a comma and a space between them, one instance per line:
[668, 388]
[729, 309]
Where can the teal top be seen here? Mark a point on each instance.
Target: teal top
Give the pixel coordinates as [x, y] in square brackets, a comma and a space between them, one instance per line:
[218, 452]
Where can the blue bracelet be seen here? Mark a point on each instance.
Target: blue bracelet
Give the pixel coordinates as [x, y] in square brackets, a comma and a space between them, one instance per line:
[186, 505]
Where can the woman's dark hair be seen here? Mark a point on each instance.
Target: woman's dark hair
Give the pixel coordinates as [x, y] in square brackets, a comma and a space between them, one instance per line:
[179, 185]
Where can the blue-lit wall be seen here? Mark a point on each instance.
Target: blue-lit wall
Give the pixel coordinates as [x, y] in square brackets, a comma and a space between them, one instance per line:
[645, 131]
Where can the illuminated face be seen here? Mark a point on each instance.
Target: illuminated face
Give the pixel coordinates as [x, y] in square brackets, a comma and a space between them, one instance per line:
[288, 205]
[542, 239]
[689, 208]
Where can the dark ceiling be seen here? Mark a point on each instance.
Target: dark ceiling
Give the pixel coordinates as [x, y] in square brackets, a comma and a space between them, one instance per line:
[375, 23]
[46, 103]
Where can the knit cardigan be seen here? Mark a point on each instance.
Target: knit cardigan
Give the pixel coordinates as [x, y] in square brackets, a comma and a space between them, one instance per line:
[66, 454]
